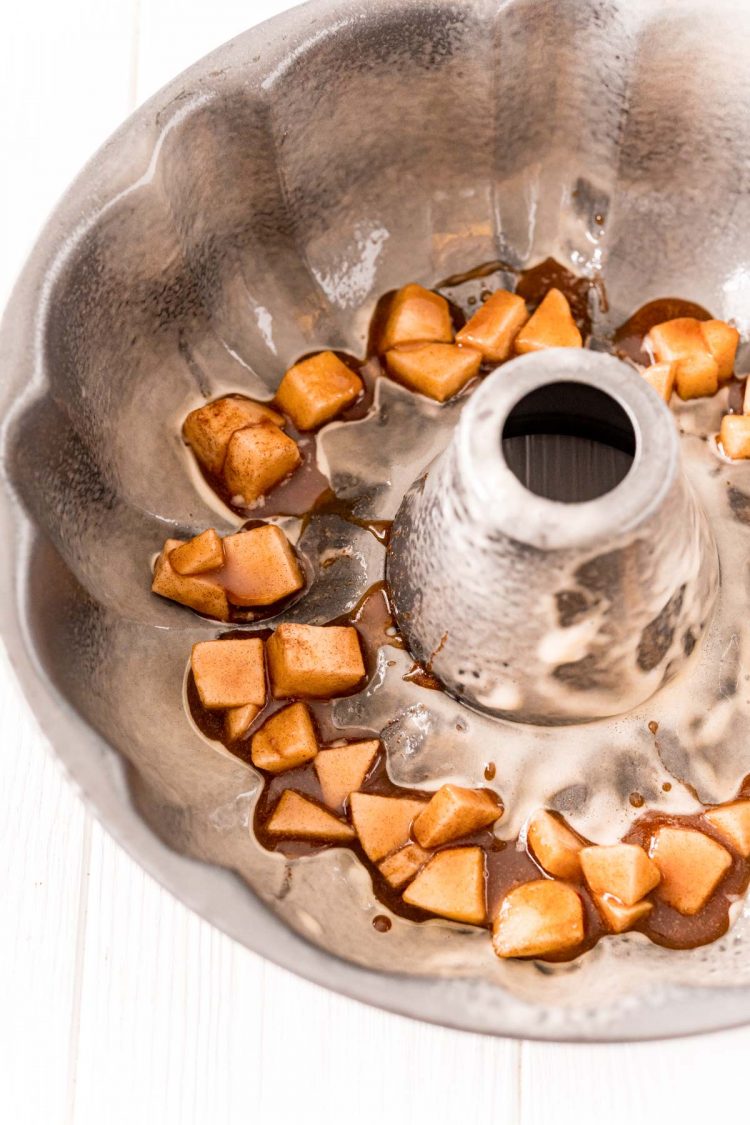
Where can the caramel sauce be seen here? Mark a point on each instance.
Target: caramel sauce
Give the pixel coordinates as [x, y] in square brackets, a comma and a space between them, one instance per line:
[307, 493]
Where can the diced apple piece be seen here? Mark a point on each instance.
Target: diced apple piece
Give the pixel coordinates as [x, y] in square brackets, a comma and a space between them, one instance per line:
[452, 885]
[537, 919]
[620, 917]
[316, 389]
[200, 592]
[622, 870]
[416, 315]
[198, 555]
[208, 429]
[258, 458]
[342, 769]
[696, 376]
[454, 812]
[746, 396]
[732, 822]
[735, 436]
[314, 660]
[691, 864]
[495, 325]
[676, 339]
[238, 720]
[229, 673]
[436, 370]
[398, 869]
[285, 741]
[555, 847]
[296, 816]
[660, 376]
[722, 340]
[382, 824]
[261, 567]
[551, 326]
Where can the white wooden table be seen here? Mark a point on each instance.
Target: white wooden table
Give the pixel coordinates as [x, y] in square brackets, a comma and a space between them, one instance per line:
[118, 1005]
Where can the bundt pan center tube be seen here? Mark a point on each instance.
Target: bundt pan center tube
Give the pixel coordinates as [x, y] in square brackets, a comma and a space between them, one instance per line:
[554, 564]
[485, 574]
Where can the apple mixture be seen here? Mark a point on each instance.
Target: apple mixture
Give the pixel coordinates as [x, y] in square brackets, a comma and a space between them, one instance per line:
[268, 694]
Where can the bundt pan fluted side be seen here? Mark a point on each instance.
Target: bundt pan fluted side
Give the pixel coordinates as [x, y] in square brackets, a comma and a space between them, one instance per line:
[252, 211]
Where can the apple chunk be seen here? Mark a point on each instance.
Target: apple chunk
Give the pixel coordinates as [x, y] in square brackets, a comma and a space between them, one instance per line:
[722, 340]
[285, 741]
[554, 846]
[203, 552]
[317, 389]
[200, 592]
[735, 436]
[208, 429]
[342, 769]
[454, 812]
[691, 864]
[452, 885]
[258, 458]
[383, 824]
[436, 370]
[314, 660]
[660, 376]
[551, 326]
[238, 720]
[416, 315]
[261, 567]
[229, 673]
[495, 325]
[537, 919]
[732, 822]
[620, 917]
[400, 867]
[296, 816]
[622, 870]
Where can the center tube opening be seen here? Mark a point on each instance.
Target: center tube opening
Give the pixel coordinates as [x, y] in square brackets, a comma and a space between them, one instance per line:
[569, 442]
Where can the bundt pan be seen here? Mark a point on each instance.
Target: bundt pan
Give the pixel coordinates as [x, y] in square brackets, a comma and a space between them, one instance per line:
[255, 210]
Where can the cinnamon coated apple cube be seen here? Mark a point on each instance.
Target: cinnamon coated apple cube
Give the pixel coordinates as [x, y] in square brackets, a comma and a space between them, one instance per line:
[198, 555]
[452, 885]
[691, 864]
[416, 315]
[735, 436]
[436, 370]
[696, 376]
[622, 870]
[229, 673]
[238, 720]
[200, 592]
[551, 326]
[317, 389]
[298, 817]
[538, 919]
[382, 824]
[342, 769]
[208, 429]
[555, 847]
[258, 458]
[454, 812]
[732, 822]
[620, 917]
[660, 376]
[722, 340]
[676, 339]
[495, 325]
[285, 741]
[398, 869]
[314, 660]
[260, 567]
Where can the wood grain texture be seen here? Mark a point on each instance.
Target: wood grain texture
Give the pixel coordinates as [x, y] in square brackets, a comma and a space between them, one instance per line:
[118, 1005]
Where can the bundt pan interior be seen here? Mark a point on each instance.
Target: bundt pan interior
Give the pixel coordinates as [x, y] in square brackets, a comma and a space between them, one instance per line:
[255, 210]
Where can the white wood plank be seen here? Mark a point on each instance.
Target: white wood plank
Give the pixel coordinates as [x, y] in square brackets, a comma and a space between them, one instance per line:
[44, 834]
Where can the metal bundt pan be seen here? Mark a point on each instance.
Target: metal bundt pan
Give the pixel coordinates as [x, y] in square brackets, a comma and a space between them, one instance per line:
[255, 210]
